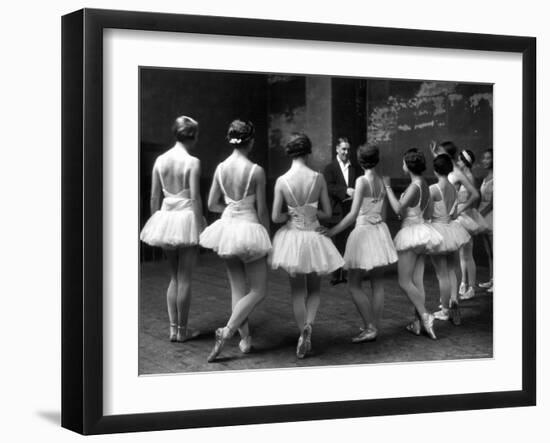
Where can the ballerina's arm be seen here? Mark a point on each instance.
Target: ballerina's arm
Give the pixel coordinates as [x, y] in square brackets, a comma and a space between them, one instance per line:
[194, 189]
[399, 206]
[215, 195]
[156, 190]
[359, 194]
[261, 205]
[277, 214]
[472, 191]
[326, 208]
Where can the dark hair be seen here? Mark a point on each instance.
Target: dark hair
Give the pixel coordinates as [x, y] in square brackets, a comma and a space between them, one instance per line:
[467, 157]
[368, 156]
[240, 132]
[415, 161]
[443, 164]
[298, 146]
[185, 128]
[450, 148]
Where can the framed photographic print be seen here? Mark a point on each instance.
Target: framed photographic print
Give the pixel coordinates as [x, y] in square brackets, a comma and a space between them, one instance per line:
[269, 221]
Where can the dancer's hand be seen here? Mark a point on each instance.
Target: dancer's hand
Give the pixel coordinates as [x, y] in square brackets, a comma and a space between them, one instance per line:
[433, 148]
[323, 231]
[386, 180]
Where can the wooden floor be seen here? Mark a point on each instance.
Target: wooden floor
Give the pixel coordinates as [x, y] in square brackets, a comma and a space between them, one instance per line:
[275, 333]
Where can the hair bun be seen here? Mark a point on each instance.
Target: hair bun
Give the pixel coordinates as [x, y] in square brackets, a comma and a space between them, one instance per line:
[185, 128]
[298, 146]
[240, 132]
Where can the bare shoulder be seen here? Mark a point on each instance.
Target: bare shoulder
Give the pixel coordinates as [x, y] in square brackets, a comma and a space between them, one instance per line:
[259, 172]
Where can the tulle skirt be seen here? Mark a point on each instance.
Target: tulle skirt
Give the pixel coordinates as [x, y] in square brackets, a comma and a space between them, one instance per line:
[454, 237]
[232, 237]
[369, 246]
[489, 220]
[302, 252]
[473, 221]
[171, 229]
[419, 237]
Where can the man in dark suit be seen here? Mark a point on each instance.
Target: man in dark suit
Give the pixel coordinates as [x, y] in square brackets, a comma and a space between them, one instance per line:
[340, 176]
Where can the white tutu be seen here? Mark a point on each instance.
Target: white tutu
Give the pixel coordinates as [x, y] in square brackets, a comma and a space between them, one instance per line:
[454, 237]
[419, 237]
[369, 246]
[232, 237]
[472, 221]
[173, 226]
[489, 220]
[300, 251]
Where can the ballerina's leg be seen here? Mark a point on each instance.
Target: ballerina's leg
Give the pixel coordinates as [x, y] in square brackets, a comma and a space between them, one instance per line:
[405, 270]
[298, 293]
[187, 258]
[359, 297]
[313, 300]
[172, 292]
[257, 276]
[237, 281]
[442, 273]
[377, 285]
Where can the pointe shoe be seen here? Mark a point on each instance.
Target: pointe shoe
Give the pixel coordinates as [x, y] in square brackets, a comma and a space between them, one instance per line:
[220, 342]
[462, 288]
[486, 285]
[302, 346]
[173, 332]
[308, 331]
[442, 314]
[428, 324]
[245, 345]
[366, 335]
[470, 293]
[454, 313]
[414, 327]
[185, 334]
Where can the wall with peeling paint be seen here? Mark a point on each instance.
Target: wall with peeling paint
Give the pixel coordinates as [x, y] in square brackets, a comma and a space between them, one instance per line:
[406, 114]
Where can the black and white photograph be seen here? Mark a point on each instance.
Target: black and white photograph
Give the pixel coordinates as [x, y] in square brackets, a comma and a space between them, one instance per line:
[292, 221]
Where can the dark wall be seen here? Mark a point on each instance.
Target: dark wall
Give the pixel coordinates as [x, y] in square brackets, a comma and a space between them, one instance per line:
[407, 114]
[214, 99]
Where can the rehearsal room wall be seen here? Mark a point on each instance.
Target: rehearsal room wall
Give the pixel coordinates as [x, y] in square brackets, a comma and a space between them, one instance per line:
[410, 114]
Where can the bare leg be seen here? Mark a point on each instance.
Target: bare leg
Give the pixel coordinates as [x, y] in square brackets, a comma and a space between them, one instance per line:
[418, 276]
[377, 305]
[298, 292]
[171, 293]
[452, 261]
[187, 258]
[257, 275]
[313, 300]
[405, 269]
[362, 303]
[237, 281]
[488, 244]
[440, 265]
[463, 265]
[468, 252]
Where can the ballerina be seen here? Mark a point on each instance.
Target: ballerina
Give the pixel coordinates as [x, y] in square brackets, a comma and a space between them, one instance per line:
[458, 179]
[445, 201]
[240, 237]
[414, 238]
[474, 223]
[486, 211]
[298, 247]
[175, 224]
[369, 246]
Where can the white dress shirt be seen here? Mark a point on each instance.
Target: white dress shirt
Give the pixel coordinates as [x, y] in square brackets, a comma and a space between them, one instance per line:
[345, 168]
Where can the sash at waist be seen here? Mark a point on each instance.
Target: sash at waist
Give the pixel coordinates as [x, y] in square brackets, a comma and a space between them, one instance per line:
[368, 219]
[176, 203]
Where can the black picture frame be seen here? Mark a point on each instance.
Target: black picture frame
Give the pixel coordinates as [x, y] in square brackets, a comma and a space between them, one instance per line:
[82, 218]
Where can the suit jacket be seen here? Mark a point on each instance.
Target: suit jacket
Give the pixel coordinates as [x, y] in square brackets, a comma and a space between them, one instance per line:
[336, 184]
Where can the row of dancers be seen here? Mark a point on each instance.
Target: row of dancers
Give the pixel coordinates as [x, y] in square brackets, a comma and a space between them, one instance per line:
[437, 221]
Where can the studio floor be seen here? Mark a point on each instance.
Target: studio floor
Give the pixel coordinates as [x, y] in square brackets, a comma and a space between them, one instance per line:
[275, 333]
